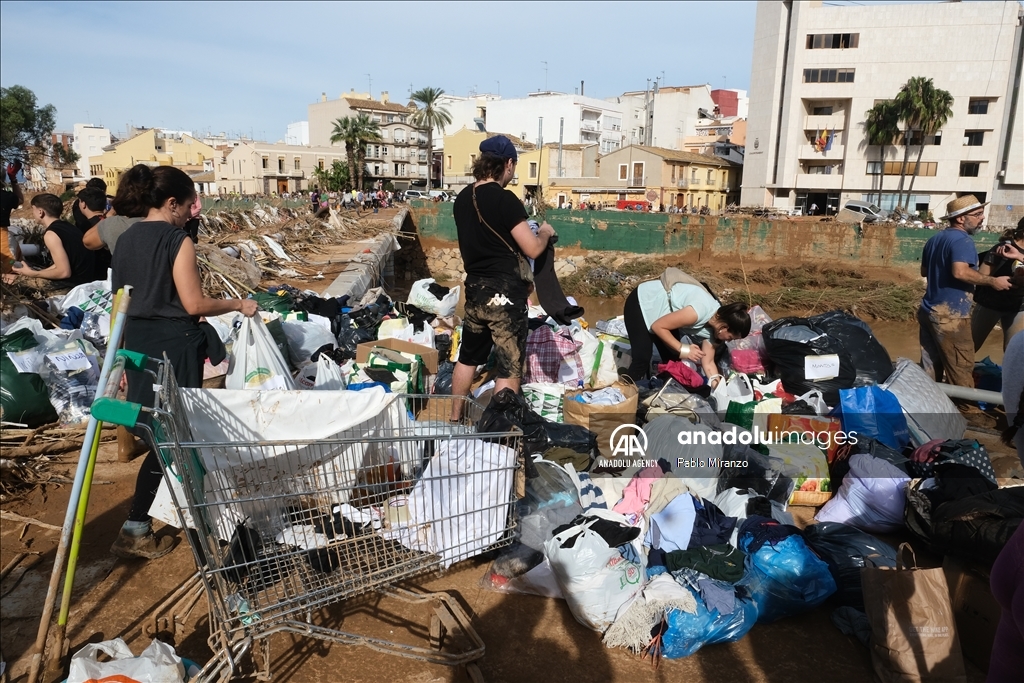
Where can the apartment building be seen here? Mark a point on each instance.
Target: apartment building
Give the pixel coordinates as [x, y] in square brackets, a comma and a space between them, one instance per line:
[818, 68]
[664, 116]
[150, 146]
[88, 142]
[271, 168]
[576, 119]
[400, 157]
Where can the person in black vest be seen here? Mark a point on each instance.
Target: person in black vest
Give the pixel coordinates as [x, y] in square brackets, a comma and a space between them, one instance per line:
[73, 264]
[156, 257]
[92, 204]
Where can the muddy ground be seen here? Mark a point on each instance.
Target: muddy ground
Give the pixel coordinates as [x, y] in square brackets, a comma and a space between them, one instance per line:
[528, 638]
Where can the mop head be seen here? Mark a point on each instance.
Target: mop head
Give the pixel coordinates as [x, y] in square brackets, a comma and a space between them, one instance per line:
[636, 619]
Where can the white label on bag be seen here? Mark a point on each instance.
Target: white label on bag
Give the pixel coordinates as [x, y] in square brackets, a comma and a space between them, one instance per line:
[25, 361]
[821, 367]
[70, 361]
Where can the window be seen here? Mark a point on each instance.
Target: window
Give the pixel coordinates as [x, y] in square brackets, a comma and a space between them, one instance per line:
[266, 162]
[828, 75]
[448, 162]
[832, 41]
[320, 164]
[969, 169]
[928, 168]
[298, 163]
[638, 173]
[673, 166]
[977, 107]
[937, 138]
[280, 165]
[623, 172]
[974, 138]
[821, 111]
[384, 150]
[533, 169]
[711, 176]
[874, 168]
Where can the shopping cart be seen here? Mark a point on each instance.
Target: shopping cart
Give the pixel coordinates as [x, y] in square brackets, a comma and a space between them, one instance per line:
[284, 528]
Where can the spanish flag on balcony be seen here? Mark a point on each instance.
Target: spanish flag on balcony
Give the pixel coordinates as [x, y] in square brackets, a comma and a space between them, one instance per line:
[817, 140]
[831, 138]
[821, 144]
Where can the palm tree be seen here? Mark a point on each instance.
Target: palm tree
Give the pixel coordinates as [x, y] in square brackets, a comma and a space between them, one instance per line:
[882, 126]
[364, 130]
[355, 132]
[342, 133]
[430, 116]
[938, 107]
[911, 101]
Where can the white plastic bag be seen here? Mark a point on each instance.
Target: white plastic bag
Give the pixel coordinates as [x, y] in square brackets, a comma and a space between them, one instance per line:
[256, 362]
[545, 398]
[871, 498]
[157, 664]
[304, 338]
[737, 389]
[421, 298]
[328, 375]
[94, 297]
[595, 579]
[815, 400]
[597, 357]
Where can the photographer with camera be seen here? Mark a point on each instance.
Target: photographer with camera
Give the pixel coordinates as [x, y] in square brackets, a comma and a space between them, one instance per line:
[1004, 307]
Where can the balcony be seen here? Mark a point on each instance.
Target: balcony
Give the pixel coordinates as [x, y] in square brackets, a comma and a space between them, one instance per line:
[808, 152]
[636, 181]
[588, 125]
[819, 181]
[827, 122]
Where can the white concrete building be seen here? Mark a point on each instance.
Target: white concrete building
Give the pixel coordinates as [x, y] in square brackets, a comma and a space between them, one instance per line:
[297, 134]
[270, 168]
[585, 120]
[466, 112]
[88, 141]
[664, 117]
[817, 69]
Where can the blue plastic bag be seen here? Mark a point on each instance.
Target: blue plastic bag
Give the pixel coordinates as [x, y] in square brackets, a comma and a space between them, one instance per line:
[687, 633]
[875, 412]
[785, 579]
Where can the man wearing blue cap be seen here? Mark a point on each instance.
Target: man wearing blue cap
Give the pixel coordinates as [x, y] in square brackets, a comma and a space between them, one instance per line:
[495, 241]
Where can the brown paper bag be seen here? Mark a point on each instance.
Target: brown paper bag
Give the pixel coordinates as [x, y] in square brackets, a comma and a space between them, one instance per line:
[913, 632]
[602, 420]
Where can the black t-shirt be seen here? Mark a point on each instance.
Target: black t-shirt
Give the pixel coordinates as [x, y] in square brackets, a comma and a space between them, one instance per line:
[1007, 301]
[82, 261]
[7, 204]
[102, 255]
[144, 259]
[488, 257]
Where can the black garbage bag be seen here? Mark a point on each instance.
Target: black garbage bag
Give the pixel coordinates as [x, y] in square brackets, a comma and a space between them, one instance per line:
[870, 359]
[443, 379]
[508, 409]
[977, 527]
[846, 550]
[789, 341]
[350, 337]
[246, 560]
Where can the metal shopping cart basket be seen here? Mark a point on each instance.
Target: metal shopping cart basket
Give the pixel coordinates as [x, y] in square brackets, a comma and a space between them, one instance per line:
[287, 527]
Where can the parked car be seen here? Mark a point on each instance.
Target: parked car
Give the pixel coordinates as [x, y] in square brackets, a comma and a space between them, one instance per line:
[871, 212]
[416, 194]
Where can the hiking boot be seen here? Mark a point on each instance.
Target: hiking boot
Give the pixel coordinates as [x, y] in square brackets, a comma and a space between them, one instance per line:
[147, 546]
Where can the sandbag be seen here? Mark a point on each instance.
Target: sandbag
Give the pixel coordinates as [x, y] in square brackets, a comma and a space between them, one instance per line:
[687, 633]
[872, 496]
[796, 347]
[870, 359]
[595, 579]
[786, 578]
[847, 550]
[24, 398]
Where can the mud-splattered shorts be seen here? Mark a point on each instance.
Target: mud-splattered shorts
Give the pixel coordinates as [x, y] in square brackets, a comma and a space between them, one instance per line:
[494, 319]
[947, 347]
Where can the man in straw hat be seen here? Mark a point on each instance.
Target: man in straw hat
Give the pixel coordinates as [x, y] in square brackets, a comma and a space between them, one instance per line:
[950, 263]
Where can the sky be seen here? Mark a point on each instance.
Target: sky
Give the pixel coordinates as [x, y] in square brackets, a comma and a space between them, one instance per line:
[251, 68]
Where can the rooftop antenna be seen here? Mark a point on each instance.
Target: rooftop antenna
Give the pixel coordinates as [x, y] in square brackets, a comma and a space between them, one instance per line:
[545, 75]
[499, 87]
[369, 85]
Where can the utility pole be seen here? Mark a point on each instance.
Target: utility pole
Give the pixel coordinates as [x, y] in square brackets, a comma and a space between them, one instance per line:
[561, 130]
[499, 87]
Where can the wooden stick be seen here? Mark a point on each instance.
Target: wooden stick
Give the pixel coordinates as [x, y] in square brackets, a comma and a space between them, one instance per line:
[11, 565]
[13, 516]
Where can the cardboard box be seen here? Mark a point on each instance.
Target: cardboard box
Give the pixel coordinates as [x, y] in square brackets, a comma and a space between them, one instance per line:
[976, 612]
[428, 354]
